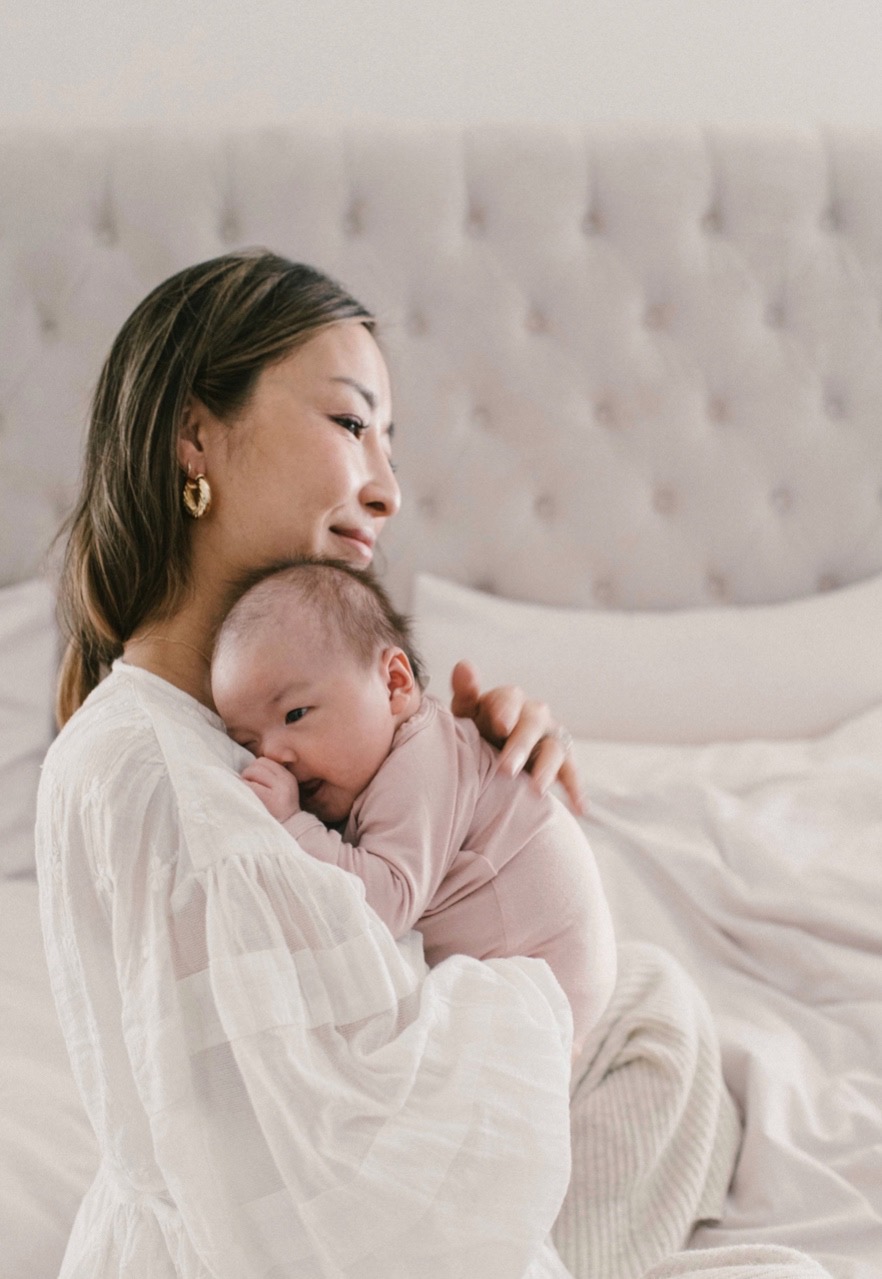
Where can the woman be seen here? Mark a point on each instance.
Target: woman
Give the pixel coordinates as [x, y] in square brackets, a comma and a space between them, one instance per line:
[277, 1088]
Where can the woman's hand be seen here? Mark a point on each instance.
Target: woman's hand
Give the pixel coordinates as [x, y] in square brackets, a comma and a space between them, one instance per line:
[524, 731]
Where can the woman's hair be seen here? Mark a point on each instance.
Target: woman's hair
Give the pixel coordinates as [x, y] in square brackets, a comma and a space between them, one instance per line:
[349, 604]
[205, 333]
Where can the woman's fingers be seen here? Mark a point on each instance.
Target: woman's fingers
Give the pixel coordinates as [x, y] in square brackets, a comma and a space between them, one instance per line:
[525, 739]
[524, 730]
[466, 690]
[495, 713]
[553, 762]
[500, 714]
[546, 752]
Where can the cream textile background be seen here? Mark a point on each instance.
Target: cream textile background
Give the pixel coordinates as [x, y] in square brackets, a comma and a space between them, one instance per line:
[223, 62]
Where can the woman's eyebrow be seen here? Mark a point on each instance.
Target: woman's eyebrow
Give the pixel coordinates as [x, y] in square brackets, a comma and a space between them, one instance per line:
[368, 396]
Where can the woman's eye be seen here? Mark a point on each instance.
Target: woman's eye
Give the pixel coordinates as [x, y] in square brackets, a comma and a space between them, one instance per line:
[293, 716]
[352, 424]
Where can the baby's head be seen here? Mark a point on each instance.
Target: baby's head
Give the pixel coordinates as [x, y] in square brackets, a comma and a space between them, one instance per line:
[314, 668]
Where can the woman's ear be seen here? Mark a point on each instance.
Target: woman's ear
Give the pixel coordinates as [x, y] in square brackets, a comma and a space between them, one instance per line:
[191, 450]
[398, 677]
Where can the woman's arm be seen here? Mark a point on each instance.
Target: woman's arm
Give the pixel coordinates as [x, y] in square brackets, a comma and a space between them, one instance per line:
[524, 730]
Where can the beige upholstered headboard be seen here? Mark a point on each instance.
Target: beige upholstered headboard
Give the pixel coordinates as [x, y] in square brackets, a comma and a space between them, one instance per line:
[631, 368]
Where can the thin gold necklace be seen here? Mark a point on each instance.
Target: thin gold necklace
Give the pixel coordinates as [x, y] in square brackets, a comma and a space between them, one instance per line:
[166, 639]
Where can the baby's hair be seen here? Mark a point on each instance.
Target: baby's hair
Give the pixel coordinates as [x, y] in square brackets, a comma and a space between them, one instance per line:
[349, 602]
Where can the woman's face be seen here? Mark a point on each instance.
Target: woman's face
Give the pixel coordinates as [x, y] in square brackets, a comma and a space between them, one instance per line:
[305, 469]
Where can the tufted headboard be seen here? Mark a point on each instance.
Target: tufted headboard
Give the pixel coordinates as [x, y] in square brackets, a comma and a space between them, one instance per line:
[632, 368]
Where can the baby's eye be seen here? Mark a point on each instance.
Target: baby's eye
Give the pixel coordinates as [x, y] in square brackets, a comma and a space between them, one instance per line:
[293, 716]
[352, 424]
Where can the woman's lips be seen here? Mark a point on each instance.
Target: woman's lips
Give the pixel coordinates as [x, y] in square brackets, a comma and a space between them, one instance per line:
[362, 543]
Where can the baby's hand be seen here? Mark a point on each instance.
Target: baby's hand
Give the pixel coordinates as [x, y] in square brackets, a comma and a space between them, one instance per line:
[274, 786]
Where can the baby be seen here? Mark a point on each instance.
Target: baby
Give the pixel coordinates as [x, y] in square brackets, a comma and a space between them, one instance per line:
[315, 672]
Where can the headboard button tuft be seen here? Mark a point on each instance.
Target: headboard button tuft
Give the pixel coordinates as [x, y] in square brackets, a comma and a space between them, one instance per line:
[718, 409]
[605, 413]
[717, 586]
[353, 221]
[782, 499]
[658, 316]
[106, 232]
[537, 320]
[834, 405]
[664, 499]
[476, 222]
[230, 229]
[831, 219]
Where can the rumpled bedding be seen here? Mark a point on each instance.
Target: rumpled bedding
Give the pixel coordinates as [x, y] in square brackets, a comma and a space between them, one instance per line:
[759, 865]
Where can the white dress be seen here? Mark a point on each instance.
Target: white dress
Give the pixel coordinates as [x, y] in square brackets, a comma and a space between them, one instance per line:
[277, 1087]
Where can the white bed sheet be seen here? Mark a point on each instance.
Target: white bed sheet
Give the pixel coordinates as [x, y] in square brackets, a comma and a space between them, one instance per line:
[760, 865]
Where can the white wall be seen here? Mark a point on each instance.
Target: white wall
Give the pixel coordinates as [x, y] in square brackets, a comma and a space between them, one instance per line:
[229, 61]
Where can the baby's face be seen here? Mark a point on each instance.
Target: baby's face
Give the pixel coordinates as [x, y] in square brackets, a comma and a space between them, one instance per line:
[285, 693]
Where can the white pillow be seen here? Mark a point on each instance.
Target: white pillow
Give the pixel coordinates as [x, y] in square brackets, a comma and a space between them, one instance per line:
[687, 676]
[28, 658]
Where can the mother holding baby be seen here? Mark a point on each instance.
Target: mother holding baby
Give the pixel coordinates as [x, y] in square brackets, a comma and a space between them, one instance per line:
[277, 1087]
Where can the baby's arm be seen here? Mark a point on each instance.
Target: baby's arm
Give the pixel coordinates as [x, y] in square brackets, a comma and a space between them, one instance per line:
[391, 888]
[402, 832]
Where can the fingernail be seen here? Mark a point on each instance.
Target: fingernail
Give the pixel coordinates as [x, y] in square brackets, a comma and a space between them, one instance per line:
[515, 763]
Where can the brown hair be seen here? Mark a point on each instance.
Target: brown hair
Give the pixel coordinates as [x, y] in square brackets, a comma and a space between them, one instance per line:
[205, 333]
[349, 603]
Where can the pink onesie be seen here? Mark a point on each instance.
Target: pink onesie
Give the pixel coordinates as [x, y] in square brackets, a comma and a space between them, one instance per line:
[476, 860]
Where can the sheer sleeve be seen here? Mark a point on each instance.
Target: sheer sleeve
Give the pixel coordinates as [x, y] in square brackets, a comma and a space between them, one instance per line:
[319, 1103]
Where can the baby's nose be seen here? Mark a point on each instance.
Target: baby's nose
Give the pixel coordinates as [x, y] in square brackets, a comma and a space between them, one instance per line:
[275, 747]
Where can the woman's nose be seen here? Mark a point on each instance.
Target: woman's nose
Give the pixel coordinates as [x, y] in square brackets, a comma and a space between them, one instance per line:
[381, 494]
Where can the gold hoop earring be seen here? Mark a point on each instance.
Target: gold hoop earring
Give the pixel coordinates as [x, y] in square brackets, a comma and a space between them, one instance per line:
[196, 496]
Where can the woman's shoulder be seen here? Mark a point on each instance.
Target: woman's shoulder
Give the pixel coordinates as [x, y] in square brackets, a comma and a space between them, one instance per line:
[134, 720]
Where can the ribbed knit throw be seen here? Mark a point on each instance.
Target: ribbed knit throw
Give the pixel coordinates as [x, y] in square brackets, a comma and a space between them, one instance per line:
[655, 1138]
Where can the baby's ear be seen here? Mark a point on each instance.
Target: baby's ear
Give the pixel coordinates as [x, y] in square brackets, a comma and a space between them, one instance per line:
[398, 677]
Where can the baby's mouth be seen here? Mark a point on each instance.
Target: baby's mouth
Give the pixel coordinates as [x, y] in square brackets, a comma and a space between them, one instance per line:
[308, 789]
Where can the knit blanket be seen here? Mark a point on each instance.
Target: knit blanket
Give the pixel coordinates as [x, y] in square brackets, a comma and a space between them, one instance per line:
[655, 1138]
